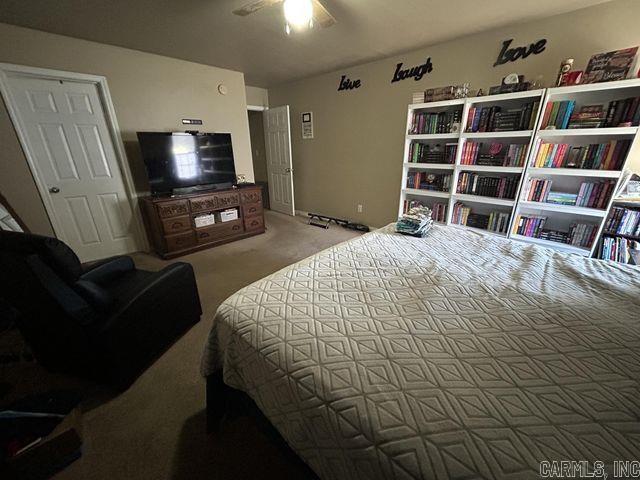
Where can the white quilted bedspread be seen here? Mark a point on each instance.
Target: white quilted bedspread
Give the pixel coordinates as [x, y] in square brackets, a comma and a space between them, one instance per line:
[460, 355]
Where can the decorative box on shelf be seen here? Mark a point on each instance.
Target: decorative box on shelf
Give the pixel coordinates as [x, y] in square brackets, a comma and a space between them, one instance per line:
[229, 215]
[204, 220]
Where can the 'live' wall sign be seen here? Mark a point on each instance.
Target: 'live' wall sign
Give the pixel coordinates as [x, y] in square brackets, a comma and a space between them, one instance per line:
[512, 54]
[346, 84]
[416, 72]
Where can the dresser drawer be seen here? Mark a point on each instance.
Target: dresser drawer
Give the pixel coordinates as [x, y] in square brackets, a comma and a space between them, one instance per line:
[173, 209]
[218, 231]
[252, 195]
[176, 224]
[252, 209]
[253, 223]
[180, 241]
[214, 202]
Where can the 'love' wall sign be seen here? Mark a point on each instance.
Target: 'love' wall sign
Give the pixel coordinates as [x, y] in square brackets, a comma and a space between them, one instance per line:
[346, 84]
[512, 54]
[416, 72]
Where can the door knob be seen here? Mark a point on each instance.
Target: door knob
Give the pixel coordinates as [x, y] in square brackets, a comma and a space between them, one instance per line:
[54, 190]
[288, 170]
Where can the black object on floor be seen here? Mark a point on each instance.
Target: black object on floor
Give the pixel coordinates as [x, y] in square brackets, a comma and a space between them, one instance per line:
[315, 219]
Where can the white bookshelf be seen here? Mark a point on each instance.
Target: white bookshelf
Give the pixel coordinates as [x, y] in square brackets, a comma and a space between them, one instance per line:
[559, 217]
[477, 203]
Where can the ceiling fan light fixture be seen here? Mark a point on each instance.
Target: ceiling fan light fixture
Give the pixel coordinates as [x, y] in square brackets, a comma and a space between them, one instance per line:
[298, 14]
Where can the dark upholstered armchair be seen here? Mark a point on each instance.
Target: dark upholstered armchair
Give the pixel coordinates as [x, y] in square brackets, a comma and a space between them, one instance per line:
[108, 321]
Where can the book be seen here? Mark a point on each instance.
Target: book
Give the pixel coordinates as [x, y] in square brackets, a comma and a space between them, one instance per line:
[494, 119]
[434, 122]
[595, 156]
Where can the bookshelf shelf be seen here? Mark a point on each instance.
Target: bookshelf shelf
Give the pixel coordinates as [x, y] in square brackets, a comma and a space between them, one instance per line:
[563, 247]
[559, 218]
[475, 229]
[575, 172]
[426, 193]
[504, 97]
[463, 197]
[490, 168]
[429, 166]
[433, 136]
[588, 132]
[435, 105]
[624, 235]
[511, 134]
[566, 209]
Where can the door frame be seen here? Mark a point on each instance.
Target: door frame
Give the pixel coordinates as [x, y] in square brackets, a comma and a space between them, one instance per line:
[114, 133]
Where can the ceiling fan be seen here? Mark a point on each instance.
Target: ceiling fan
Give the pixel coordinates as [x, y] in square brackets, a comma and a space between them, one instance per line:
[298, 14]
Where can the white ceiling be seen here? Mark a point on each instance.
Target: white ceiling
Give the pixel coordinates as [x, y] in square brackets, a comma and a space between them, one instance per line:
[205, 31]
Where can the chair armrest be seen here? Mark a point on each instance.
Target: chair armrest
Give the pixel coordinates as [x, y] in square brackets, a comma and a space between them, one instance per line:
[107, 270]
[162, 310]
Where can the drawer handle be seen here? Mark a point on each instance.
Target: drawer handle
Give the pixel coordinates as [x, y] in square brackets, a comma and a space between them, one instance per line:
[235, 227]
[253, 209]
[204, 234]
[176, 225]
[254, 223]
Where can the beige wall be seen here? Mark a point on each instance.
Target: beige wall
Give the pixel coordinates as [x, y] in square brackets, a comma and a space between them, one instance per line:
[256, 130]
[356, 155]
[150, 93]
[257, 97]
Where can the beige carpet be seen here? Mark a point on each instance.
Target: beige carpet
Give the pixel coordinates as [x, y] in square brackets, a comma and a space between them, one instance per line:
[156, 429]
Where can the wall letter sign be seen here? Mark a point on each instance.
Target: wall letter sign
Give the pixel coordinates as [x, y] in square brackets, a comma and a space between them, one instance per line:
[512, 54]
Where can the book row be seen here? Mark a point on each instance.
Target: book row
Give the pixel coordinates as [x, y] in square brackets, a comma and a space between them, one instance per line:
[595, 194]
[596, 156]
[624, 221]
[493, 154]
[579, 234]
[540, 191]
[494, 222]
[494, 119]
[618, 113]
[440, 182]
[426, 153]
[497, 187]
[590, 195]
[431, 123]
[620, 250]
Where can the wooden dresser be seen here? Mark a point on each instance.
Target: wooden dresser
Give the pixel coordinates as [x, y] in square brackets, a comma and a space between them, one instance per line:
[171, 227]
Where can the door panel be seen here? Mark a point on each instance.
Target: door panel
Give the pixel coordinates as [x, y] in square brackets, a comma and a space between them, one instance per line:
[71, 145]
[279, 163]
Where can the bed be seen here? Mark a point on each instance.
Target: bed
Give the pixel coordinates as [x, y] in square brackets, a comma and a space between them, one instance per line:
[458, 355]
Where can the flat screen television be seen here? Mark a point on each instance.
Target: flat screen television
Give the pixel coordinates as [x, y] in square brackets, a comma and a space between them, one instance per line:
[181, 160]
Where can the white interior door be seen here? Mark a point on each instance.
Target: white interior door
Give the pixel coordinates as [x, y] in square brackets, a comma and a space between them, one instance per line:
[277, 137]
[64, 126]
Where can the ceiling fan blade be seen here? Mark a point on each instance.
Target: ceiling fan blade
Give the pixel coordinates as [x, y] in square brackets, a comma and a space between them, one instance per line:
[255, 6]
[321, 15]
